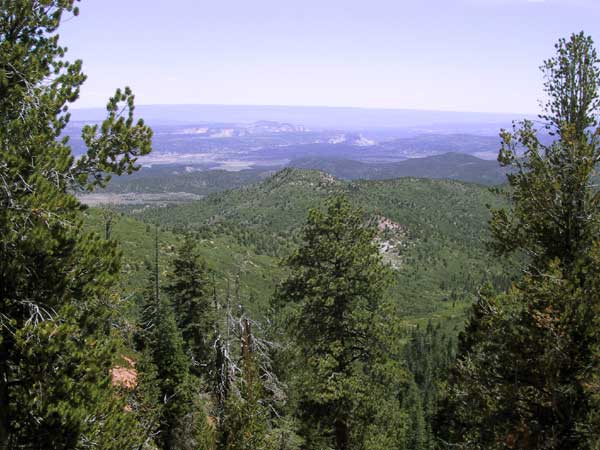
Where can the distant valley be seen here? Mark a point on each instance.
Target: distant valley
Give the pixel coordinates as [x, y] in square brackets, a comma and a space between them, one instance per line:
[242, 137]
[175, 183]
[235, 146]
[191, 160]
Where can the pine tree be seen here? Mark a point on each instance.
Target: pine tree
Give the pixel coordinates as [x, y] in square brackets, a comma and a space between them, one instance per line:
[553, 204]
[333, 297]
[527, 361]
[165, 346]
[57, 299]
[167, 366]
[189, 287]
[413, 404]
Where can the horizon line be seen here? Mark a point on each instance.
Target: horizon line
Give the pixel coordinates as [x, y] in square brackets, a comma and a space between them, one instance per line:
[370, 108]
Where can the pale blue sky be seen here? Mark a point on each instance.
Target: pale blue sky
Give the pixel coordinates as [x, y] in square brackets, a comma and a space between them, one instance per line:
[460, 55]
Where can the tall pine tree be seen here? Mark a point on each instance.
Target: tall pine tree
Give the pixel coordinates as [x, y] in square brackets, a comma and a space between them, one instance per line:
[167, 367]
[190, 290]
[56, 280]
[528, 358]
[333, 299]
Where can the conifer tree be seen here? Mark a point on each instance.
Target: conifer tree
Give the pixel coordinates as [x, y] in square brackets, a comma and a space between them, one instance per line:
[524, 376]
[167, 364]
[413, 404]
[189, 287]
[333, 297]
[165, 347]
[56, 280]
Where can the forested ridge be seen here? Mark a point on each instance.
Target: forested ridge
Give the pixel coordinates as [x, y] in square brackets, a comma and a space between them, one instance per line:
[302, 311]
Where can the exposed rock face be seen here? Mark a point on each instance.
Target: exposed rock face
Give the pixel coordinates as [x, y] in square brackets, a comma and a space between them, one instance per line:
[391, 240]
[385, 224]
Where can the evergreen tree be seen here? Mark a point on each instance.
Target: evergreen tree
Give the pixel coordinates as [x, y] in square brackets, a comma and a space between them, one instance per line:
[167, 366]
[190, 289]
[146, 399]
[333, 296]
[554, 208]
[413, 404]
[56, 280]
[165, 348]
[528, 358]
[427, 356]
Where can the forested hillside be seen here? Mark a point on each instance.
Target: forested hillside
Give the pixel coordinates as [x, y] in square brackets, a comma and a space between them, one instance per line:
[435, 237]
[302, 311]
[178, 178]
[453, 166]
[431, 234]
[172, 180]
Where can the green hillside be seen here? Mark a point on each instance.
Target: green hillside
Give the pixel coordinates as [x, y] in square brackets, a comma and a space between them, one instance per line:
[453, 166]
[178, 178]
[235, 267]
[436, 244]
[176, 183]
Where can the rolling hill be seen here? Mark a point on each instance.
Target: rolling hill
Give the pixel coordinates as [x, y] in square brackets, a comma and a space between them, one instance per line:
[167, 183]
[453, 166]
[436, 243]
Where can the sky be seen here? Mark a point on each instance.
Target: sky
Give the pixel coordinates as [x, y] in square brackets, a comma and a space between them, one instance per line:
[447, 55]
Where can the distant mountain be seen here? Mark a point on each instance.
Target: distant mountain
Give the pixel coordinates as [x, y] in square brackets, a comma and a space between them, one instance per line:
[182, 183]
[432, 144]
[454, 166]
[350, 139]
[260, 128]
[317, 117]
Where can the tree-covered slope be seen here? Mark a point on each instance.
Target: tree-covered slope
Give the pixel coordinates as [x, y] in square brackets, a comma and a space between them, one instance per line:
[236, 267]
[453, 166]
[179, 178]
[435, 235]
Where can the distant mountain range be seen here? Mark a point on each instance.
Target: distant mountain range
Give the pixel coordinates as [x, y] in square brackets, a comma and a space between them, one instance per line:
[350, 143]
[236, 146]
[319, 117]
[452, 166]
[260, 128]
[184, 183]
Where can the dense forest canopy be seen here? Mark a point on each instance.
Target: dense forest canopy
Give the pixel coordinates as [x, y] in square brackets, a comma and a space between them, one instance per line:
[301, 311]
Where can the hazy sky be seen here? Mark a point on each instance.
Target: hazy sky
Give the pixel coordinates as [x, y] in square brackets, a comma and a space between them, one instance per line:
[461, 55]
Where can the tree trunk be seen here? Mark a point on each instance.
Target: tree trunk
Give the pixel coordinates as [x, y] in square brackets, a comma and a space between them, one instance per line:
[341, 434]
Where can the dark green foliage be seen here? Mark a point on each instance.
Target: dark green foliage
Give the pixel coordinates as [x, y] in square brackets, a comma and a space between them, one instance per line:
[412, 403]
[528, 362]
[523, 367]
[428, 356]
[163, 348]
[334, 296]
[166, 347]
[442, 229]
[554, 207]
[57, 298]
[190, 290]
[146, 399]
